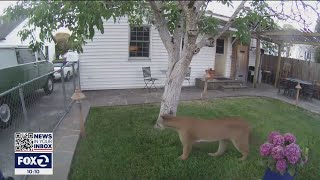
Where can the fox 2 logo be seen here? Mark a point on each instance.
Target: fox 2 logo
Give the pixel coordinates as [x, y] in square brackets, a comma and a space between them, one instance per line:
[33, 160]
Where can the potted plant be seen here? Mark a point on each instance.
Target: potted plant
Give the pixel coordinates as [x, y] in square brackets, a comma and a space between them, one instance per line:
[282, 156]
[210, 73]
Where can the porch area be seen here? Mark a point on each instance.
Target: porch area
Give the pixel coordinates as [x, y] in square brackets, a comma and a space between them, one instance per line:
[141, 96]
[220, 84]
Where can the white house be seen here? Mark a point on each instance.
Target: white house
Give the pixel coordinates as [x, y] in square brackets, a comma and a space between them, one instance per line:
[302, 52]
[114, 60]
[9, 36]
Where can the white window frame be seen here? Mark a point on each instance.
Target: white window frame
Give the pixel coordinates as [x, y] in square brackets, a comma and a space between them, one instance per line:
[150, 45]
[224, 41]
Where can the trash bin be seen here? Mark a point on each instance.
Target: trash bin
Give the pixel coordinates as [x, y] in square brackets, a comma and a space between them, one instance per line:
[1, 176]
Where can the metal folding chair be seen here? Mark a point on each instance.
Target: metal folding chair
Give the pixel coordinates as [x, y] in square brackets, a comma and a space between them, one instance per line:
[307, 91]
[188, 75]
[283, 84]
[148, 78]
[292, 88]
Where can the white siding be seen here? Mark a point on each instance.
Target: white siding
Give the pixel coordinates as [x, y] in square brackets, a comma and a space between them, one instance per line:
[104, 64]
[227, 71]
[297, 51]
[252, 52]
[252, 57]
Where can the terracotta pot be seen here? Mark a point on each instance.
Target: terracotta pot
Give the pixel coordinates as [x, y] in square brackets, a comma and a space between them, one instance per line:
[210, 73]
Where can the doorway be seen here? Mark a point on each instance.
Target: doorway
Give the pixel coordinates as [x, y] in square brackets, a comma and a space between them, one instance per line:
[242, 63]
[220, 58]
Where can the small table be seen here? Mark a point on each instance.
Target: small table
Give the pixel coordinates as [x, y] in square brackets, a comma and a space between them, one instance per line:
[299, 81]
[164, 71]
[306, 90]
[317, 90]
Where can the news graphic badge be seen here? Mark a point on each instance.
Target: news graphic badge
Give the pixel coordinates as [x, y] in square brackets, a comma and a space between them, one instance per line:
[33, 153]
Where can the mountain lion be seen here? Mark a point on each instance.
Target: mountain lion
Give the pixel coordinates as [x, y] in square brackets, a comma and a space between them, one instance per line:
[192, 130]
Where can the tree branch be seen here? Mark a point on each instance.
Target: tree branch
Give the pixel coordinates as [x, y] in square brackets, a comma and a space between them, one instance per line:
[184, 6]
[295, 16]
[304, 22]
[205, 41]
[178, 31]
[204, 7]
[231, 20]
[308, 5]
[235, 39]
[194, 6]
[161, 24]
[199, 4]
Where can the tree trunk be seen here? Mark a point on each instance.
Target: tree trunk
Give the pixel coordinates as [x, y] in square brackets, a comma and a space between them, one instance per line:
[172, 90]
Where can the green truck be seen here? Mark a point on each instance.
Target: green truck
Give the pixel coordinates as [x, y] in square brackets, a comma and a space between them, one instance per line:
[19, 65]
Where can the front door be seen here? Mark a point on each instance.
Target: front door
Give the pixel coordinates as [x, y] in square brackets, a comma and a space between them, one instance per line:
[220, 58]
[242, 64]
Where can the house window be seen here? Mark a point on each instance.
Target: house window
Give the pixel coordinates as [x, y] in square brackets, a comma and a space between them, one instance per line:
[220, 46]
[307, 55]
[139, 42]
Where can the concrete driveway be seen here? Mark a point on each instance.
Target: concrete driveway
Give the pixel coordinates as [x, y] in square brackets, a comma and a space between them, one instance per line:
[43, 114]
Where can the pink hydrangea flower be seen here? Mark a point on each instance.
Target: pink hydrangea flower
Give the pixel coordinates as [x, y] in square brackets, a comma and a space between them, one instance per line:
[281, 165]
[265, 149]
[289, 138]
[278, 140]
[293, 153]
[277, 152]
[271, 136]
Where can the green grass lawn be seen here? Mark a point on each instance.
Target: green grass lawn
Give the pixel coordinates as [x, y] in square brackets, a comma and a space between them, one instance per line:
[121, 142]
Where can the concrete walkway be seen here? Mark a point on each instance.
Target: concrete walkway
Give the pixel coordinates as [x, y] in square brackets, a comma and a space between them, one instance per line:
[139, 96]
[67, 134]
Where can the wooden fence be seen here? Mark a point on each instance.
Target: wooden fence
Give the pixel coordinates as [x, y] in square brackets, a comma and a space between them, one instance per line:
[304, 70]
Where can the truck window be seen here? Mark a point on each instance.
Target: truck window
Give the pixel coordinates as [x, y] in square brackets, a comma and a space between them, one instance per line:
[41, 56]
[8, 58]
[25, 56]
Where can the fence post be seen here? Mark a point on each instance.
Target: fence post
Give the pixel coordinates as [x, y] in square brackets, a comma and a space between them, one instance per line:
[63, 88]
[278, 75]
[73, 77]
[257, 64]
[24, 110]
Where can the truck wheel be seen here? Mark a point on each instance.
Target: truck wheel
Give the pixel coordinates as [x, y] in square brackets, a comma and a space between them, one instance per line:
[67, 76]
[5, 115]
[48, 88]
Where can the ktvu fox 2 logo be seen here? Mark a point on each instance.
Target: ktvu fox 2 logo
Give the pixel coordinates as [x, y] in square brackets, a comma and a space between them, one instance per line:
[33, 162]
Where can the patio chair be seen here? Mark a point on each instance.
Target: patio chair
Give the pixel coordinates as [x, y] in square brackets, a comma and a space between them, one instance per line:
[284, 84]
[307, 91]
[188, 75]
[316, 90]
[292, 88]
[148, 78]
